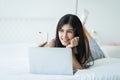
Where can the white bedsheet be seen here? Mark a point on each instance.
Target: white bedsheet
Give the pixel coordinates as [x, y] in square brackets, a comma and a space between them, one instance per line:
[14, 65]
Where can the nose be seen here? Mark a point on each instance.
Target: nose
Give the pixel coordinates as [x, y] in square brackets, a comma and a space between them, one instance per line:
[64, 35]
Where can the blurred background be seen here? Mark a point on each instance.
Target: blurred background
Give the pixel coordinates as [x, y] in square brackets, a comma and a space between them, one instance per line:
[22, 20]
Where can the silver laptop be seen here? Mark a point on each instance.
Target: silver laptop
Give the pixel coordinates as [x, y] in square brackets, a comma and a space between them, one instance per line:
[45, 60]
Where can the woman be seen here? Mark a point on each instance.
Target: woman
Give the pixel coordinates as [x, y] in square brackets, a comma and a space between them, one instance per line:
[70, 33]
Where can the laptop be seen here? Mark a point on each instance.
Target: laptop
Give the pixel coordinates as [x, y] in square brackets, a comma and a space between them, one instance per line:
[53, 61]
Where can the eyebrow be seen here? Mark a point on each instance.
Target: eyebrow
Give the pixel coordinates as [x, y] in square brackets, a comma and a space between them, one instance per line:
[68, 29]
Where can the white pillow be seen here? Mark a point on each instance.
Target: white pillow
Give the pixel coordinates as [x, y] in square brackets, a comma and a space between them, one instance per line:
[111, 51]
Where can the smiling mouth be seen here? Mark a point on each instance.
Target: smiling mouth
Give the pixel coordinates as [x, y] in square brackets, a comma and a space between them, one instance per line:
[65, 40]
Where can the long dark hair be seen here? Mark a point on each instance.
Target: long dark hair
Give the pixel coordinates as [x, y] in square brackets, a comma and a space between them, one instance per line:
[83, 50]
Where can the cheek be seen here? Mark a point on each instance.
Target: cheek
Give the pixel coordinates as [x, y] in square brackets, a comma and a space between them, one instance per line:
[71, 36]
[59, 35]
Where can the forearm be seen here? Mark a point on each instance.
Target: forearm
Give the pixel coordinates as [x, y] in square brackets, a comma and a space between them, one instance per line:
[51, 43]
[76, 64]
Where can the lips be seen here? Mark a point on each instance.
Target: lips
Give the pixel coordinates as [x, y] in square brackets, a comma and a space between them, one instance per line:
[65, 42]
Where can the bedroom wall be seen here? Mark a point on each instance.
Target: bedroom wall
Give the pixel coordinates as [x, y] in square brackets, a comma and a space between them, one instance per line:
[104, 18]
[21, 20]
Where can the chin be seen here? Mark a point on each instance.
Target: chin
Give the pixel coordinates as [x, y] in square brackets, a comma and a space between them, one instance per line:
[64, 44]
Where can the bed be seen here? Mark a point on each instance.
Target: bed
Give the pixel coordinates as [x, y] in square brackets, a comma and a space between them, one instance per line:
[14, 65]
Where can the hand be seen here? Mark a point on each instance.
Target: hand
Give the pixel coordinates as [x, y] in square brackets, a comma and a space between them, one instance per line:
[73, 42]
[42, 44]
[43, 38]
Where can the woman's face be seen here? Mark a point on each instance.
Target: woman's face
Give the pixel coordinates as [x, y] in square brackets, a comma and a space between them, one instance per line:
[66, 34]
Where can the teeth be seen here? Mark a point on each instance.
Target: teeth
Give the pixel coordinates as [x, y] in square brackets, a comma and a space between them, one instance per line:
[65, 41]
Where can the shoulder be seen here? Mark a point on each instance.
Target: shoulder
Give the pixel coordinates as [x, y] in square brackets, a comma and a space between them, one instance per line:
[51, 43]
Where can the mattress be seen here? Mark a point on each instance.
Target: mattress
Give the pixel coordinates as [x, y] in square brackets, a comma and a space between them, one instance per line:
[14, 65]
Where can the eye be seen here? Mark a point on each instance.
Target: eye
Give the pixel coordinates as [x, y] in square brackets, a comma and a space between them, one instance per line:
[70, 31]
[61, 30]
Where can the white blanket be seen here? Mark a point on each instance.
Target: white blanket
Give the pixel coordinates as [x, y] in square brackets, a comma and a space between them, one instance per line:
[103, 69]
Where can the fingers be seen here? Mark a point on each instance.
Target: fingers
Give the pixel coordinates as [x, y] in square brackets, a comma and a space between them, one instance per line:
[74, 42]
[76, 39]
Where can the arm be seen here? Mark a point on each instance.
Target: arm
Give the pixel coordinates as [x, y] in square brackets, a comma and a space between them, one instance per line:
[51, 43]
[76, 64]
[72, 45]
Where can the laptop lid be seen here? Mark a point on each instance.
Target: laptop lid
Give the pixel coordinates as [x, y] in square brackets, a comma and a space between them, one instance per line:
[45, 60]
